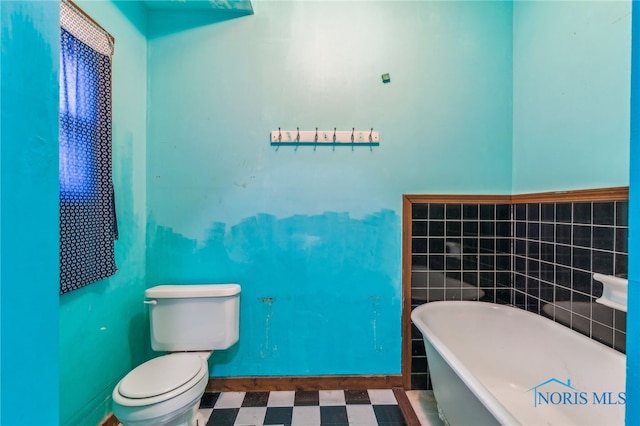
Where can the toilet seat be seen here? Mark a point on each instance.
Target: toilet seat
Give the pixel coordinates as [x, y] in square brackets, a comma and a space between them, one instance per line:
[161, 379]
[160, 375]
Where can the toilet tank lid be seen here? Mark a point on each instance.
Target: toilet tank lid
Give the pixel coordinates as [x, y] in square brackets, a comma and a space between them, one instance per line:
[192, 290]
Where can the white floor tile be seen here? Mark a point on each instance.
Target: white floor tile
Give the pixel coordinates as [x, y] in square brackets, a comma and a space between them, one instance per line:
[382, 397]
[306, 416]
[230, 400]
[281, 399]
[250, 416]
[332, 398]
[206, 413]
[361, 415]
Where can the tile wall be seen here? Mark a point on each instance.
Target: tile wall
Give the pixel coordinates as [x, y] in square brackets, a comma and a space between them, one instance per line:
[459, 252]
[557, 247]
[537, 256]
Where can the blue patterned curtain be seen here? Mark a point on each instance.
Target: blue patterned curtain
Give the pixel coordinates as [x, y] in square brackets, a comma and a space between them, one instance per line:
[87, 214]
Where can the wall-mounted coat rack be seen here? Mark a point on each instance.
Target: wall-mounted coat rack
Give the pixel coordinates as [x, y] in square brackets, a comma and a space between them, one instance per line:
[325, 137]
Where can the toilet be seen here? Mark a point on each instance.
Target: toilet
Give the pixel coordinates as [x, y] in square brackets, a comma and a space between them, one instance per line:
[189, 321]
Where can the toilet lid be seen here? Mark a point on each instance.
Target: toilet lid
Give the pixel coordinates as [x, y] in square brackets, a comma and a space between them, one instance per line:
[160, 375]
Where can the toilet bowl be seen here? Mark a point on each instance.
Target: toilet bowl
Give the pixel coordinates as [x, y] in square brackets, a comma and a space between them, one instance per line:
[164, 391]
[190, 321]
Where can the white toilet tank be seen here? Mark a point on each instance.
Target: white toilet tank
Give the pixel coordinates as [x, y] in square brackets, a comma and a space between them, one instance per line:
[201, 317]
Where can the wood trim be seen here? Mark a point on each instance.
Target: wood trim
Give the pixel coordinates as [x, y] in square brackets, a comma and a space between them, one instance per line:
[302, 383]
[409, 414]
[586, 195]
[406, 293]
[580, 195]
[109, 420]
[452, 198]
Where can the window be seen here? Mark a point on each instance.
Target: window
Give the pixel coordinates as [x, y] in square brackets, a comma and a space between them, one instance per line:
[88, 226]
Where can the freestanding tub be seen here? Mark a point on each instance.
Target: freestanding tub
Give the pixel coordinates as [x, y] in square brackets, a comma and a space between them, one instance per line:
[494, 364]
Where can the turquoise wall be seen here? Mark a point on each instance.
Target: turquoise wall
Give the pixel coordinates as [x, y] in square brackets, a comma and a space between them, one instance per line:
[633, 314]
[103, 328]
[29, 212]
[571, 69]
[313, 235]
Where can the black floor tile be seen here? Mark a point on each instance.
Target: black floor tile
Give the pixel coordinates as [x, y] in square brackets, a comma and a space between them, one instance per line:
[278, 416]
[307, 398]
[209, 400]
[223, 417]
[388, 414]
[356, 397]
[334, 415]
[255, 399]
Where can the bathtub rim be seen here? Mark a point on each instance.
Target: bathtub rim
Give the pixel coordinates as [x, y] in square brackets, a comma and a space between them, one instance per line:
[492, 404]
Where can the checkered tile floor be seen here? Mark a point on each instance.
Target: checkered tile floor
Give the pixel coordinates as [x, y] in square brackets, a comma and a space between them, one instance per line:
[345, 408]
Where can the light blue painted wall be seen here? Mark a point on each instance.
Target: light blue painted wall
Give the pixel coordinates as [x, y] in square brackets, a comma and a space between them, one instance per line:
[633, 314]
[313, 236]
[29, 212]
[571, 69]
[103, 327]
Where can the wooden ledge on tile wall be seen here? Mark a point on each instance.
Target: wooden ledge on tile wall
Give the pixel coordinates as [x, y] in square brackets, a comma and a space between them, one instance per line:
[462, 198]
[303, 383]
[617, 193]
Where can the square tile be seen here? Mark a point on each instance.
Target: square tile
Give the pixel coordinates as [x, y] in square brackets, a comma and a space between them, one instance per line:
[382, 397]
[208, 400]
[223, 417]
[581, 212]
[278, 416]
[307, 398]
[604, 213]
[230, 400]
[453, 211]
[361, 415]
[386, 414]
[332, 397]
[306, 416]
[281, 399]
[255, 399]
[250, 416]
[356, 397]
[334, 415]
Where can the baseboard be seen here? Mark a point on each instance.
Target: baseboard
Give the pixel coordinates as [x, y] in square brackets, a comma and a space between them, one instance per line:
[110, 420]
[280, 383]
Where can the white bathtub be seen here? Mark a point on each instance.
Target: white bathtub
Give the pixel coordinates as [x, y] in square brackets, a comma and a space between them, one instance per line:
[494, 364]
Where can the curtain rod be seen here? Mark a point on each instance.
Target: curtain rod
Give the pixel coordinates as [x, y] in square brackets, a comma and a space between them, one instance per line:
[82, 26]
